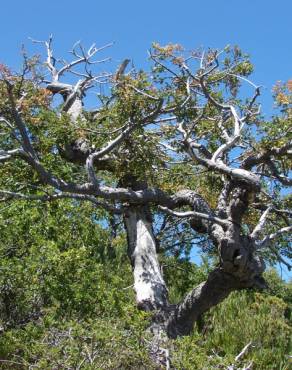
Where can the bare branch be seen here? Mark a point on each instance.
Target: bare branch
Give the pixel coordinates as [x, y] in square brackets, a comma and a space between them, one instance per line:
[224, 147]
[243, 79]
[114, 143]
[259, 227]
[121, 69]
[193, 214]
[283, 179]
[154, 58]
[235, 173]
[8, 154]
[85, 58]
[51, 61]
[264, 156]
[143, 93]
[60, 195]
[26, 144]
[243, 351]
[267, 240]
[222, 203]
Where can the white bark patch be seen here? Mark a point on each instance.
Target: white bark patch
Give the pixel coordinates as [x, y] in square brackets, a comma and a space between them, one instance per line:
[75, 110]
[151, 292]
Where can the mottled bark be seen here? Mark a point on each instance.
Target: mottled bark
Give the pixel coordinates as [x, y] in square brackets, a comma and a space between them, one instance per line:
[74, 107]
[239, 268]
[72, 97]
[150, 288]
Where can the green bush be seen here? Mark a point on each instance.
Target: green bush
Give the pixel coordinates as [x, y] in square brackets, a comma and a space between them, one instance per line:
[66, 302]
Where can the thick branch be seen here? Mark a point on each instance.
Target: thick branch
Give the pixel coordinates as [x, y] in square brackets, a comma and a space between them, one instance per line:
[266, 155]
[208, 294]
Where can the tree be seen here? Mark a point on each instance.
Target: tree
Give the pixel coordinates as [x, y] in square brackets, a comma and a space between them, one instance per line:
[176, 153]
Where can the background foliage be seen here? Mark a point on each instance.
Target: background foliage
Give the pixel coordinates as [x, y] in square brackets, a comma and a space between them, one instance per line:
[66, 300]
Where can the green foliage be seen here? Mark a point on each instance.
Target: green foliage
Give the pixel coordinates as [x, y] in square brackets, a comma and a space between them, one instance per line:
[181, 276]
[76, 344]
[65, 296]
[243, 318]
[66, 300]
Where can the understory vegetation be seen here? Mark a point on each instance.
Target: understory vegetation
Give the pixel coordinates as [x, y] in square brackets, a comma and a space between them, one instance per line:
[67, 301]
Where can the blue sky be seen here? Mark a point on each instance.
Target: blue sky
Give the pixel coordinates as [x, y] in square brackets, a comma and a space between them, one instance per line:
[262, 28]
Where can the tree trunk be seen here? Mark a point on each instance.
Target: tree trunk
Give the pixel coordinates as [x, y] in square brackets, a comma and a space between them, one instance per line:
[73, 104]
[206, 295]
[150, 288]
[74, 108]
[239, 269]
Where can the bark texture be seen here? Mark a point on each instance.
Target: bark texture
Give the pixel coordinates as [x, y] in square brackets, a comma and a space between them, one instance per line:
[150, 288]
[206, 295]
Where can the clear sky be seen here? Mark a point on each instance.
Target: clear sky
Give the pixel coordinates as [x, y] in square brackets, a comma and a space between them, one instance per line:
[262, 28]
